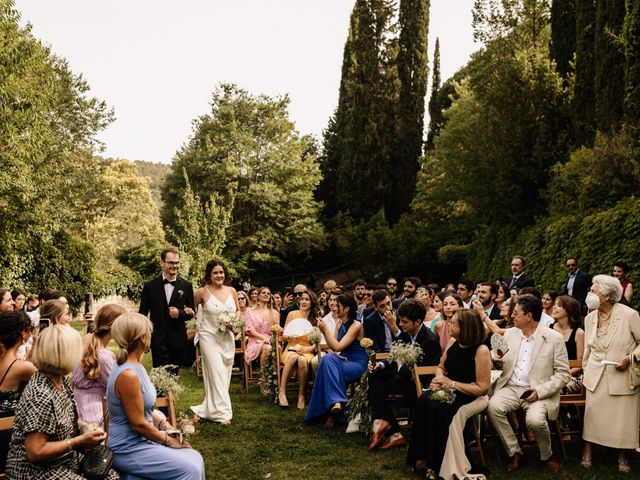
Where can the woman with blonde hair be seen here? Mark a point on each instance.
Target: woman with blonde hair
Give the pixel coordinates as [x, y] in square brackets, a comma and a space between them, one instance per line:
[56, 311]
[91, 375]
[45, 431]
[142, 450]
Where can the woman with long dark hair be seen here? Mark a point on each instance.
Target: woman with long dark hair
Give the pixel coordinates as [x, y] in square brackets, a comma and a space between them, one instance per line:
[219, 306]
[336, 371]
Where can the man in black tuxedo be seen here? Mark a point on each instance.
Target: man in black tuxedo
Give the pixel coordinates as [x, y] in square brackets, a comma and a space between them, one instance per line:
[578, 282]
[169, 300]
[390, 377]
[519, 279]
[381, 325]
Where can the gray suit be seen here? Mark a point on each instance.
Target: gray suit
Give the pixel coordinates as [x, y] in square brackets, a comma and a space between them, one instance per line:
[548, 373]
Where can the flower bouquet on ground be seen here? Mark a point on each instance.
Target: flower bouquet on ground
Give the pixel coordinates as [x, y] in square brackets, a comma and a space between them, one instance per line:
[165, 381]
[268, 381]
[358, 406]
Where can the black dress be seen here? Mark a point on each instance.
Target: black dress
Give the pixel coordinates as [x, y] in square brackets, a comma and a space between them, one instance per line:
[432, 418]
[572, 348]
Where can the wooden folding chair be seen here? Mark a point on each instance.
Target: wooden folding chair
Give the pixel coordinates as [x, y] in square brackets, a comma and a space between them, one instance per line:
[168, 403]
[575, 402]
[6, 423]
[426, 371]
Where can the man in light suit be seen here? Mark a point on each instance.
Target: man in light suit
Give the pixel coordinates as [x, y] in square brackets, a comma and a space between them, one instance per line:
[535, 369]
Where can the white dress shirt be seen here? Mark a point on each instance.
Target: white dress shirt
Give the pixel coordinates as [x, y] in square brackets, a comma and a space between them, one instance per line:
[520, 375]
[168, 289]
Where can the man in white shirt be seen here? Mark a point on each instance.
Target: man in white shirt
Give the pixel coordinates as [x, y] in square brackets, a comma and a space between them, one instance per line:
[535, 369]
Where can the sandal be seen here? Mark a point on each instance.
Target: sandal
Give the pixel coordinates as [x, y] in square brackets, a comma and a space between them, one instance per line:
[586, 462]
[431, 474]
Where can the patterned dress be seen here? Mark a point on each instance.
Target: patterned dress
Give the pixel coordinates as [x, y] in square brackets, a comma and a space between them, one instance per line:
[45, 409]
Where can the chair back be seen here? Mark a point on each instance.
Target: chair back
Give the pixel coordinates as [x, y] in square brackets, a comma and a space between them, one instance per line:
[167, 402]
[6, 423]
[417, 371]
[382, 356]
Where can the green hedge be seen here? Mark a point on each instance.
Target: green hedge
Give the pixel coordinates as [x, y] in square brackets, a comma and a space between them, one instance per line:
[597, 241]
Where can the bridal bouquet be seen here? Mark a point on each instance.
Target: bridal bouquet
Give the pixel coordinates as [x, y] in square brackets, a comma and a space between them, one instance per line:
[444, 395]
[165, 381]
[405, 353]
[192, 325]
[225, 319]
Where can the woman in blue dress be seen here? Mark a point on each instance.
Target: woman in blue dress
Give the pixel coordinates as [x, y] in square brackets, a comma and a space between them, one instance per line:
[337, 370]
[142, 450]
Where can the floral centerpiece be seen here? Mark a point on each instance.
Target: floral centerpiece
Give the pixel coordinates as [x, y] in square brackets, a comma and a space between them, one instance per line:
[268, 380]
[165, 381]
[187, 427]
[359, 410]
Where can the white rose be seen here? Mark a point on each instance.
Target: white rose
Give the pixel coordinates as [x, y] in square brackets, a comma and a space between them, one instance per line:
[189, 429]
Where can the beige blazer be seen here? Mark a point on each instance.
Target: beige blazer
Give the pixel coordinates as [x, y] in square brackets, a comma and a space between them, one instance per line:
[548, 369]
[624, 339]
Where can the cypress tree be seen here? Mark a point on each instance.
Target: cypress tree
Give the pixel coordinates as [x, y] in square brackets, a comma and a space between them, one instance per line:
[413, 67]
[435, 112]
[632, 68]
[563, 35]
[584, 96]
[609, 64]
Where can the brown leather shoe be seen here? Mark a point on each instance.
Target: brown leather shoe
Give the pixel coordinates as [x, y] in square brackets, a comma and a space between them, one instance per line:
[376, 438]
[516, 463]
[396, 442]
[553, 464]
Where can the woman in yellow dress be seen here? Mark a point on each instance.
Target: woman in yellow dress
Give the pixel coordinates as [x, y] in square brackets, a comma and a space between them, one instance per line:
[299, 351]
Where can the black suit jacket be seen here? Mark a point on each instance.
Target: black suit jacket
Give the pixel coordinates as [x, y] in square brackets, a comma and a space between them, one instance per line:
[494, 314]
[430, 345]
[167, 331]
[581, 286]
[374, 329]
[523, 281]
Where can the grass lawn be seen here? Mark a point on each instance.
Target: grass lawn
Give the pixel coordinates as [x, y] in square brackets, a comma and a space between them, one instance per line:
[265, 441]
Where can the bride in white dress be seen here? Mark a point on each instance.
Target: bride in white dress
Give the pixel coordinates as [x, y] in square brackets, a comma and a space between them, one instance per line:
[219, 303]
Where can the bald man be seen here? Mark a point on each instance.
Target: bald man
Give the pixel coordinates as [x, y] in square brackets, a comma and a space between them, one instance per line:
[297, 290]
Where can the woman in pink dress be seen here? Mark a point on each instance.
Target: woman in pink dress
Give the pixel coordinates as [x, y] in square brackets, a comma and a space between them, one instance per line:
[91, 375]
[258, 322]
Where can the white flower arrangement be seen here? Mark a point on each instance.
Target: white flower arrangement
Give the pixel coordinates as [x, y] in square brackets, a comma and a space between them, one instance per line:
[192, 325]
[314, 336]
[444, 395]
[187, 427]
[405, 353]
[165, 381]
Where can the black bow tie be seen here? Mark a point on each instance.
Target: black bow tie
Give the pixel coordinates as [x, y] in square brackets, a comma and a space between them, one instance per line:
[172, 282]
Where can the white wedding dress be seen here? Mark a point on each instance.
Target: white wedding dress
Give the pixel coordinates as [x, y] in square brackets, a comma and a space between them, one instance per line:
[217, 350]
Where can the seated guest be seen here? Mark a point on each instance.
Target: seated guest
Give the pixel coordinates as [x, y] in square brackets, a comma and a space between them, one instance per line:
[6, 301]
[258, 323]
[335, 371]
[546, 320]
[465, 368]
[45, 431]
[451, 303]
[142, 451]
[567, 312]
[612, 411]
[548, 301]
[19, 298]
[299, 351]
[330, 321]
[437, 311]
[390, 377]
[504, 322]
[91, 375]
[14, 373]
[535, 369]
[381, 325]
[56, 311]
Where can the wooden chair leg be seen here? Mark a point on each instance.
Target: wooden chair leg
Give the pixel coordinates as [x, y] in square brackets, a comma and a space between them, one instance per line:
[476, 434]
[560, 439]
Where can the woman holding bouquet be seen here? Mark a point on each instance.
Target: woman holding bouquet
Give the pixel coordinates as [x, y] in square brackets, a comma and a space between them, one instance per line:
[336, 371]
[220, 311]
[457, 392]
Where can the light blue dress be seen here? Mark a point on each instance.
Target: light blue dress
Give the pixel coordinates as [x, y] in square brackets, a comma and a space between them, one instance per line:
[334, 374]
[138, 457]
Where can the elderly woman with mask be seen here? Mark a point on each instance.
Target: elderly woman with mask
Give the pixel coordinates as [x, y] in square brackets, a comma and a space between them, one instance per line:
[612, 342]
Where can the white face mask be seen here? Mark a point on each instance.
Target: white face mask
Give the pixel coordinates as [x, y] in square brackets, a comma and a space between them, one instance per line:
[592, 301]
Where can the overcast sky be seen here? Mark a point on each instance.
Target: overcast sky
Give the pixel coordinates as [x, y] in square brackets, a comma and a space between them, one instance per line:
[156, 62]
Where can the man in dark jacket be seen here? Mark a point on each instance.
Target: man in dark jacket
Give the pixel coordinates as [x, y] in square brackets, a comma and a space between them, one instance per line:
[578, 282]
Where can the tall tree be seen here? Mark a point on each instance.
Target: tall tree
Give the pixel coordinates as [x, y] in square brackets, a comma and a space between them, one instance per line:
[250, 142]
[413, 67]
[563, 34]
[584, 94]
[609, 64]
[436, 119]
[632, 69]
